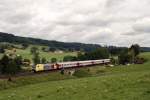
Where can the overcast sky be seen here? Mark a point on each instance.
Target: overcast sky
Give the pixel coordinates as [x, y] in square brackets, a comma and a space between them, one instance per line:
[111, 22]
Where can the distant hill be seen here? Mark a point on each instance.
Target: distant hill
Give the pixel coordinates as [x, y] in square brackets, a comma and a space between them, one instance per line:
[145, 49]
[6, 37]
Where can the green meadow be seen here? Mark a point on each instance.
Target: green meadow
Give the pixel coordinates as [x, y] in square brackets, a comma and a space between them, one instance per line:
[25, 53]
[47, 55]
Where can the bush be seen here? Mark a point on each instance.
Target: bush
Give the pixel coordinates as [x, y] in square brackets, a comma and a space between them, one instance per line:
[24, 45]
[139, 60]
[45, 49]
[53, 60]
[43, 60]
[36, 59]
[69, 58]
[52, 49]
[35, 52]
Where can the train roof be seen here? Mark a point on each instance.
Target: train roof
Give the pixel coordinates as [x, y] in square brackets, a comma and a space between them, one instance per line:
[72, 62]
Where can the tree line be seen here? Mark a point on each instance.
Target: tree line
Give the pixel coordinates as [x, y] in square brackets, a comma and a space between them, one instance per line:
[53, 45]
[124, 55]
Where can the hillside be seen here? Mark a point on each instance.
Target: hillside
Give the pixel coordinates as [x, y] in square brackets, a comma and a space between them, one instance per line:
[145, 49]
[115, 83]
[5, 37]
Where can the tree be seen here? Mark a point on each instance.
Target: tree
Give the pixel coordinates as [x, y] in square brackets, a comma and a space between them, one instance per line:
[124, 57]
[10, 66]
[69, 58]
[113, 50]
[4, 62]
[25, 45]
[36, 58]
[43, 60]
[81, 56]
[52, 49]
[53, 60]
[18, 61]
[101, 53]
[134, 50]
[35, 52]
[43, 48]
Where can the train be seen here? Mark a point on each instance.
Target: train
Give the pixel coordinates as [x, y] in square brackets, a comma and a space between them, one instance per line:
[65, 65]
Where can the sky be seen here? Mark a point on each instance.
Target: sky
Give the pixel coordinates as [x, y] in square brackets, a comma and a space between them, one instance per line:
[105, 22]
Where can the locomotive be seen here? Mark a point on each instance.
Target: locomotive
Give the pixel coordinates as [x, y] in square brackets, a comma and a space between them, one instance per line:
[73, 64]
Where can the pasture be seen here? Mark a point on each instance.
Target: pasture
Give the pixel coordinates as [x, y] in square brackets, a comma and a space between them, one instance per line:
[47, 55]
[101, 83]
[25, 53]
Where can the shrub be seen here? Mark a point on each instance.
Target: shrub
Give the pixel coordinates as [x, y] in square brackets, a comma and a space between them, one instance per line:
[69, 58]
[25, 45]
[43, 60]
[53, 60]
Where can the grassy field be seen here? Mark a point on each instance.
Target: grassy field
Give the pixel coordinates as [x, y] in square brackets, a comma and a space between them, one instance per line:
[103, 83]
[48, 55]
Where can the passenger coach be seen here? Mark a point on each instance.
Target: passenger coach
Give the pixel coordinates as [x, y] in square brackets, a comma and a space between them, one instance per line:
[46, 67]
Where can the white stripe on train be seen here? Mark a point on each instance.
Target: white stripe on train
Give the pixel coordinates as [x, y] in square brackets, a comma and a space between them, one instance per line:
[45, 67]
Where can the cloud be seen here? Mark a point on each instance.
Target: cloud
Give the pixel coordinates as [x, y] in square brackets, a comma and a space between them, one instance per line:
[142, 26]
[112, 3]
[113, 22]
[131, 33]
